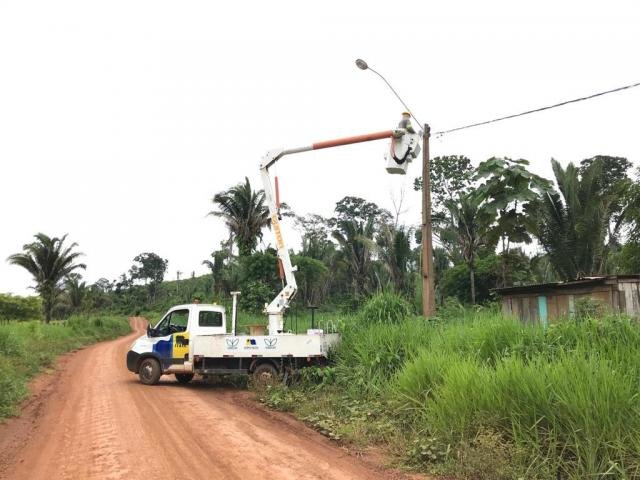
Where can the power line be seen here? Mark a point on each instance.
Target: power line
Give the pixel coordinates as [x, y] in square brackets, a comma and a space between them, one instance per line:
[538, 109]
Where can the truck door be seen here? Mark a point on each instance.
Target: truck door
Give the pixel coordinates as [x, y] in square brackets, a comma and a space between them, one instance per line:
[179, 335]
[173, 342]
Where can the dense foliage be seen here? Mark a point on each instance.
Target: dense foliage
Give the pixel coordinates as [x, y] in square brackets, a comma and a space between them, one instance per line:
[19, 308]
[584, 223]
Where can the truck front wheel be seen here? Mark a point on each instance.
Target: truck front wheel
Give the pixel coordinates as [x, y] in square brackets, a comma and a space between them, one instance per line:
[265, 374]
[184, 378]
[149, 371]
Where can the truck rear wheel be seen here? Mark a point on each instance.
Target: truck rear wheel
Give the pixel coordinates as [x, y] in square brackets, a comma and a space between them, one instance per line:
[265, 374]
[149, 371]
[184, 378]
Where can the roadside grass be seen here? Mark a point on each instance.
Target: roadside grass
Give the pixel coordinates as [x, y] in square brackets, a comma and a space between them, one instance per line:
[477, 395]
[28, 347]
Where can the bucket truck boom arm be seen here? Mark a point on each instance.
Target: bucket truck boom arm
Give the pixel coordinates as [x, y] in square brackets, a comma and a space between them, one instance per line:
[406, 143]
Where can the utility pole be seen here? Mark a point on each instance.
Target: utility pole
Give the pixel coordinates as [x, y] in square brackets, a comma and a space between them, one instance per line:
[428, 290]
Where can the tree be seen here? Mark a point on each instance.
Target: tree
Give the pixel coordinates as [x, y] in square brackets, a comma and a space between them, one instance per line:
[311, 277]
[75, 289]
[49, 260]
[354, 228]
[245, 213]
[151, 268]
[455, 281]
[616, 184]
[355, 240]
[469, 228]
[359, 210]
[614, 169]
[393, 246]
[216, 266]
[451, 176]
[508, 187]
[571, 223]
[627, 260]
[630, 213]
[315, 236]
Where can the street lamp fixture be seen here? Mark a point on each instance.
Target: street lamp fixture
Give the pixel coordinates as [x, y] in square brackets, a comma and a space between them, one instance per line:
[362, 65]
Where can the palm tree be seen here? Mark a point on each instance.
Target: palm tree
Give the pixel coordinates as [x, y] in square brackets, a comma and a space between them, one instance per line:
[245, 214]
[49, 261]
[355, 240]
[468, 229]
[393, 248]
[571, 223]
[76, 290]
[216, 265]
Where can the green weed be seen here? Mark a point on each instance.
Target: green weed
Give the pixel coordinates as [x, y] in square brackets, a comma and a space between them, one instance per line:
[27, 347]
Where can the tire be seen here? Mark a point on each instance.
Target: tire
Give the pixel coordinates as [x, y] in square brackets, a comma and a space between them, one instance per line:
[265, 374]
[149, 371]
[184, 378]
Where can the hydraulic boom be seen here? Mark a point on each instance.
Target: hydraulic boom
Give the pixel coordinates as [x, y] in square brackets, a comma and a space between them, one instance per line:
[405, 144]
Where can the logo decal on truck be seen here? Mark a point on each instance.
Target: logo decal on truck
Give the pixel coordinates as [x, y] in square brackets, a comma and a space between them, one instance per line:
[250, 344]
[232, 343]
[270, 343]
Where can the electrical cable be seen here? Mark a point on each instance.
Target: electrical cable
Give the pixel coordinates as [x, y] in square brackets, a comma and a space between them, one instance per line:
[548, 107]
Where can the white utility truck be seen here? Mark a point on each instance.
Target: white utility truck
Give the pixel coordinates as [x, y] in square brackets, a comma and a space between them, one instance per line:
[193, 339]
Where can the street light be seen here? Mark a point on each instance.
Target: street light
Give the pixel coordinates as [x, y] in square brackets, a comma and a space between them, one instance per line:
[428, 290]
[362, 65]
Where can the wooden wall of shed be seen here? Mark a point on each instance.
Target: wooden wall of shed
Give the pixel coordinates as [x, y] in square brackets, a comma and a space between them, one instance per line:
[629, 297]
[561, 301]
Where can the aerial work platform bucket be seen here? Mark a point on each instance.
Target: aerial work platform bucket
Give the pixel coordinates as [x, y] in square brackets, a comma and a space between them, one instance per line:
[402, 149]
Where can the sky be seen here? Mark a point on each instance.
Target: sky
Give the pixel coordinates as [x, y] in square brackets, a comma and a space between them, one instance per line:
[120, 120]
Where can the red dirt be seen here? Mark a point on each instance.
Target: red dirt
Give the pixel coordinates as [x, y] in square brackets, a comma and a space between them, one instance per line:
[92, 419]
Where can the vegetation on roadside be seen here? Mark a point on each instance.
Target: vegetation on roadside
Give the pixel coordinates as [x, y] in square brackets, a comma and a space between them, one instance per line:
[14, 307]
[476, 395]
[28, 347]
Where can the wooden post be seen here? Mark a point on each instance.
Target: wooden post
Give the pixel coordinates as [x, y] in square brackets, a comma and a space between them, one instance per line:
[428, 289]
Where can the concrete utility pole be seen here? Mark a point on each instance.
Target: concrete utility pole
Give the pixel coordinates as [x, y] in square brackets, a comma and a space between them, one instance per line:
[428, 290]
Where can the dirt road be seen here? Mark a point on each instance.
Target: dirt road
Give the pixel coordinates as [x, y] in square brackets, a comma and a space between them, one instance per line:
[92, 419]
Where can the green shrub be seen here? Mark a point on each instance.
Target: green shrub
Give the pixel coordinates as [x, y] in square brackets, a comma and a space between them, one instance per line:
[385, 308]
[19, 308]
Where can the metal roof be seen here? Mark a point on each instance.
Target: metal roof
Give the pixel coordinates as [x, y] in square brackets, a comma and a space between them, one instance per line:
[581, 282]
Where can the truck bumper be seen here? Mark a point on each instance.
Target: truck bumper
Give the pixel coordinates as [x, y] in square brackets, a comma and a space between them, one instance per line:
[132, 361]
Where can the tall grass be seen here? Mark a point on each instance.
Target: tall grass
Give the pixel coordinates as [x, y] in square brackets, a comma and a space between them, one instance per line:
[561, 402]
[27, 347]
[568, 396]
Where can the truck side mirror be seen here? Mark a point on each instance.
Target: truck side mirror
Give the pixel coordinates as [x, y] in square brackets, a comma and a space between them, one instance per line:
[149, 330]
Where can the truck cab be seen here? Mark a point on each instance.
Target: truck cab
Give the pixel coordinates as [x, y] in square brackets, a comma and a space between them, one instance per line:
[192, 339]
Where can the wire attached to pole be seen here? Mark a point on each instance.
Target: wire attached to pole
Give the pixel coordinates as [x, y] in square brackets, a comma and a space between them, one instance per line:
[575, 100]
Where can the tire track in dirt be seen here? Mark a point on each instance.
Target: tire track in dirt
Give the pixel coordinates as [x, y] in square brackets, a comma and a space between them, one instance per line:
[94, 420]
